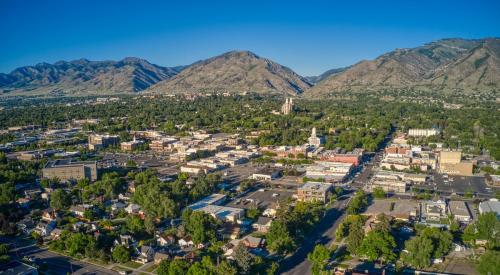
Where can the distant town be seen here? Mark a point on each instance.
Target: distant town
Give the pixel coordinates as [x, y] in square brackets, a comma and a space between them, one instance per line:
[149, 202]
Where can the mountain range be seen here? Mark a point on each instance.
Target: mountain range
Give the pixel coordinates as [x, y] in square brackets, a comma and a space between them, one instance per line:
[456, 65]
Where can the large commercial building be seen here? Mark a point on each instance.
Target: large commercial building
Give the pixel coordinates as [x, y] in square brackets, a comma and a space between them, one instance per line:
[66, 169]
[389, 182]
[330, 171]
[450, 162]
[102, 141]
[267, 174]
[212, 206]
[352, 157]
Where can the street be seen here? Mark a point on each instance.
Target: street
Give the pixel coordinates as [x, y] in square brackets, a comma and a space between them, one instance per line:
[55, 263]
[324, 231]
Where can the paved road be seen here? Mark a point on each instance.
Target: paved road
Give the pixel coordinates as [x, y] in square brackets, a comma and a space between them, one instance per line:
[324, 231]
[55, 263]
[322, 234]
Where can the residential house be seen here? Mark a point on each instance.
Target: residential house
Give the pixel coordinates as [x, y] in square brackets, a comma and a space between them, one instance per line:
[262, 224]
[253, 242]
[44, 228]
[146, 254]
[165, 240]
[186, 242]
[160, 256]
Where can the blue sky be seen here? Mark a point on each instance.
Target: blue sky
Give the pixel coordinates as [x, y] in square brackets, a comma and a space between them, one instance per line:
[308, 36]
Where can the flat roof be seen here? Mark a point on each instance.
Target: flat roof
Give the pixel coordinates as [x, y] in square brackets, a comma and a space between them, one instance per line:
[66, 162]
[400, 208]
[208, 200]
[262, 199]
[490, 206]
[316, 186]
[459, 208]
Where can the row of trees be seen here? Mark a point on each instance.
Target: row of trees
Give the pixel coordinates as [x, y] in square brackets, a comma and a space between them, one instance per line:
[163, 200]
[291, 225]
[379, 243]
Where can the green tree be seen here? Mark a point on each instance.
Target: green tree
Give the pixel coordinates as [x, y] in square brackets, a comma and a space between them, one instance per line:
[59, 199]
[149, 225]
[378, 244]
[7, 193]
[489, 263]
[319, 258]
[201, 226]
[4, 254]
[355, 237]
[358, 203]
[178, 267]
[134, 224]
[419, 252]
[163, 267]
[225, 268]
[279, 239]
[379, 193]
[488, 228]
[120, 254]
[243, 259]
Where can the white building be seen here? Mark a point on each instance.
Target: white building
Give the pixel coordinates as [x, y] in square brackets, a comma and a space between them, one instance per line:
[314, 140]
[287, 107]
[493, 205]
[423, 132]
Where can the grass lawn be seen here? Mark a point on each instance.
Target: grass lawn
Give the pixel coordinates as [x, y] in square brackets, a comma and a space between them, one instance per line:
[150, 268]
[132, 264]
[97, 262]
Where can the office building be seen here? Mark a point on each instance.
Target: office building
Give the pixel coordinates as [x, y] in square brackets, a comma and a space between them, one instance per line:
[66, 170]
[314, 191]
[450, 162]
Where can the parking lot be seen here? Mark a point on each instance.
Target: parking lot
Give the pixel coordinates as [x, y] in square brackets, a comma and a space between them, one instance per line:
[261, 198]
[459, 185]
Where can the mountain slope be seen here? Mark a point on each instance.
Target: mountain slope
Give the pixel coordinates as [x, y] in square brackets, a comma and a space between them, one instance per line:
[318, 78]
[84, 76]
[447, 64]
[235, 71]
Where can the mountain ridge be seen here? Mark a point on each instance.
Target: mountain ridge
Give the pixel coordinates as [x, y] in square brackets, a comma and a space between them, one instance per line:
[445, 65]
[434, 65]
[234, 71]
[128, 75]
